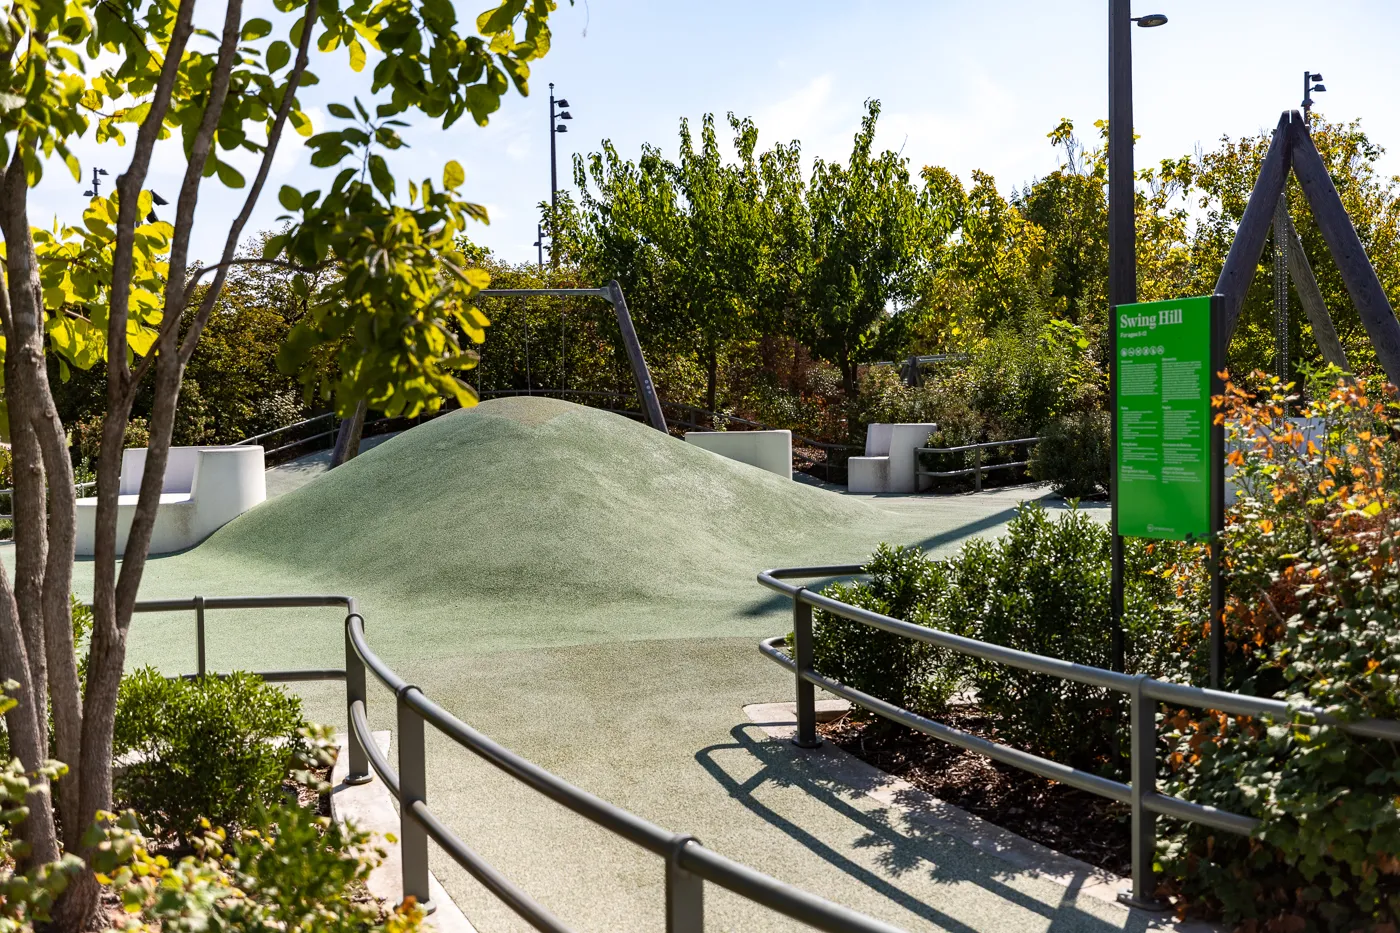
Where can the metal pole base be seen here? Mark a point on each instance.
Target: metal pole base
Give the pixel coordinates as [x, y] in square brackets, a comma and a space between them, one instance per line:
[802, 743]
[1151, 903]
[354, 780]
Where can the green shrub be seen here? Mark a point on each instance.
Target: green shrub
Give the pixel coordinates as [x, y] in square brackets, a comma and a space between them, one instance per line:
[1049, 596]
[903, 584]
[1043, 588]
[1019, 379]
[215, 748]
[291, 871]
[1073, 455]
[27, 890]
[1314, 594]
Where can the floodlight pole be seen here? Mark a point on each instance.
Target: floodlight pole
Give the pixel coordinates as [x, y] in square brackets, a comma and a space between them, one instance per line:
[1122, 269]
[553, 158]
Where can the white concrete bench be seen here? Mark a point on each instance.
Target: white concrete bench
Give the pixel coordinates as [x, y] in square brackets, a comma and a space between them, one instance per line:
[767, 450]
[205, 488]
[888, 464]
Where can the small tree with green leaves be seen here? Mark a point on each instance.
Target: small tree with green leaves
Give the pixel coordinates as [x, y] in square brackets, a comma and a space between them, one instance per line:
[123, 293]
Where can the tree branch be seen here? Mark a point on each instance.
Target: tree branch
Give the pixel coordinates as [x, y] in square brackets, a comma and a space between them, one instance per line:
[275, 263]
[176, 287]
[274, 136]
[105, 633]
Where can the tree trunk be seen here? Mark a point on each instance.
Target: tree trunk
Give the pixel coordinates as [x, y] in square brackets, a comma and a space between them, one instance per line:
[848, 386]
[347, 439]
[23, 630]
[711, 377]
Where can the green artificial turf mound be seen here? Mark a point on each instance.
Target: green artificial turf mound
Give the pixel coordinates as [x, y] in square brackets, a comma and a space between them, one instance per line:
[536, 494]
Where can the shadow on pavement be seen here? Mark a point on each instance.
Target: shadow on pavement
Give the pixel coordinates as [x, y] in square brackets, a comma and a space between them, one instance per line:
[906, 846]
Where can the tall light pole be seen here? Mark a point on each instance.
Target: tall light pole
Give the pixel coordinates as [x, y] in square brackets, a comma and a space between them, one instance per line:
[554, 127]
[1308, 87]
[1122, 256]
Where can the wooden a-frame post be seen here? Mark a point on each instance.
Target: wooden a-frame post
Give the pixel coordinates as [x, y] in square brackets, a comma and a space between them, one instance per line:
[1292, 148]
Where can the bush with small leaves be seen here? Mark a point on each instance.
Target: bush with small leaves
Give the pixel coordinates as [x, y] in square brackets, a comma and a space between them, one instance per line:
[1073, 455]
[289, 871]
[213, 748]
[903, 584]
[27, 891]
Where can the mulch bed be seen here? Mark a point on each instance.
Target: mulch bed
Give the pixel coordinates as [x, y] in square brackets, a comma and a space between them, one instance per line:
[1065, 819]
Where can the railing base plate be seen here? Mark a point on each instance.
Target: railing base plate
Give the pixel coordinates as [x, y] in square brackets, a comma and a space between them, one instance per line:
[800, 743]
[357, 779]
[1151, 903]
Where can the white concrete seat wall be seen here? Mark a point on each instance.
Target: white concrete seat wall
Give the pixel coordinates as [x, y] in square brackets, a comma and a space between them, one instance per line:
[204, 489]
[888, 464]
[767, 450]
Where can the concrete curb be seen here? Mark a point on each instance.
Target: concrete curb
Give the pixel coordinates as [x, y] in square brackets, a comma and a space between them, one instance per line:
[371, 807]
[779, 720]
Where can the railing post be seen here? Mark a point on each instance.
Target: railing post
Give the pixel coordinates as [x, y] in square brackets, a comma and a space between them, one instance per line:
[413, 788]
[358, 772]
[806, 736]
[685, 893]
[199, 634]
[977, 466]
[1143, 770]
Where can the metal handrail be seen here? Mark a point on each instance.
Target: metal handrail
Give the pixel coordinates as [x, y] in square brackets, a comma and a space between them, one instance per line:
[977, 469]
[77, 488]
[1144, 692]
[688, 864]
[286, 427]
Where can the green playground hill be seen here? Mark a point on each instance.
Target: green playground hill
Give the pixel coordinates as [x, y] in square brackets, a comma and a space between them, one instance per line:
[533, 502]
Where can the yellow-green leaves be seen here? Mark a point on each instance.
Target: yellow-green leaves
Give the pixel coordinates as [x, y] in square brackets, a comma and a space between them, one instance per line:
[75, 271]
[452, 175]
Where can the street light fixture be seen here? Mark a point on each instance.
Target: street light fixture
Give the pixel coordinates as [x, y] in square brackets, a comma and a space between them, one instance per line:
[95, 182]
[1122, 259]
[556, 113]
[1308, 87]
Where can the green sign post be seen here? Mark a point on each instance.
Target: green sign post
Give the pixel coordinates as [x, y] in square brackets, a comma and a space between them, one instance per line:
[1164, 447]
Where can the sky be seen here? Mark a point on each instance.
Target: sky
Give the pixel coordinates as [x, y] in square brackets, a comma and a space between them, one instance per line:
[965, 85]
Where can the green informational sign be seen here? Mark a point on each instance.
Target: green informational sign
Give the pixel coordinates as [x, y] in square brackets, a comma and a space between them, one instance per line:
[1164, 370]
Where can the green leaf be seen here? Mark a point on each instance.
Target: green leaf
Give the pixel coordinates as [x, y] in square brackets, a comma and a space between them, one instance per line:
[71, 161]
[452, 175]
[380, 175]
[289, 197]
[278, 54]
[229, 175]
[341, 111]
[255, 29]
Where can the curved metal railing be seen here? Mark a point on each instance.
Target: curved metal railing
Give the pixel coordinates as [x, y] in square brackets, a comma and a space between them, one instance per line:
[1144, 693]
[688, 864]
